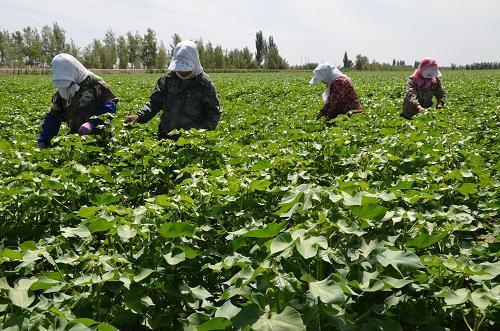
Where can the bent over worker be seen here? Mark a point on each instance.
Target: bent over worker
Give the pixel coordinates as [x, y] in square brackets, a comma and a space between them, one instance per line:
[81, 98]
[339, 96]
[422, 87]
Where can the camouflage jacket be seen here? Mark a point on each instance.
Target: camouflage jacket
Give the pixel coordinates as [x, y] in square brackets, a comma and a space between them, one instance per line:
[421, 96]
[84, 104]
[185, 105]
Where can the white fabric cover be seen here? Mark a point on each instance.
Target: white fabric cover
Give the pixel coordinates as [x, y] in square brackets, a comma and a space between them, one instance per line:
[431, 72]
[186, 58]
[326, 73]
[67, 69]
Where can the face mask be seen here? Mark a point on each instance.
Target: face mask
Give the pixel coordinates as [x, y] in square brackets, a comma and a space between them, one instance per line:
[430, 72]
[187, 77]
[68, 92]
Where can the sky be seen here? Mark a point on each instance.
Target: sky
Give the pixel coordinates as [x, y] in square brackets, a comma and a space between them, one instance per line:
[452, 31]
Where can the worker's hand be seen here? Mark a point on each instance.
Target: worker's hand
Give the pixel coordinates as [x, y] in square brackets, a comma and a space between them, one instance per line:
[420, 109]
[86, 128]
[319, 115]
[42, 145]
[440, 105]
[131, 119]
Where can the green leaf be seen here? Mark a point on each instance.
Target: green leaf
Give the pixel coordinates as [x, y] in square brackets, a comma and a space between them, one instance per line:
[248, 315]
[288, 319]
[11, 255]
[87, 212]
[85, 321]
[308, 248]
[282, 242]
[234, 291]
[227, 310]
[334, 197]
[195, 320]
[260, 185]
[307, 193]
[327, 291]
[175, 256]
[350, 228]
[165, 201]
[76, 326]
[199, 293]
[245, 274]
[20, 297]
[28, 246]
[25, 283]
[424, 240]
[4, 285]
[261, 165]
[350, 200]
[132, 300]
[142, 274]
[189, 252]
[106, 327]
[371, 211]
[126, 232]
[289, 201]
[176, 229]
[396, 259]
[81, 231]
[105, 199]
[482, 298]
[457, 297]
[43, 284]
[467, 188]
[99, 224]
[84, 279]
[396, 282]
[270, 230]
[216, 323]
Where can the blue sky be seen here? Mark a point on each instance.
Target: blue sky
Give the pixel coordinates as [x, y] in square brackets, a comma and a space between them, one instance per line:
[453, 31]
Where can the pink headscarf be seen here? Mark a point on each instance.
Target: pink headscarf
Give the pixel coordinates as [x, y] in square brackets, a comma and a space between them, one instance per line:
[426, 73]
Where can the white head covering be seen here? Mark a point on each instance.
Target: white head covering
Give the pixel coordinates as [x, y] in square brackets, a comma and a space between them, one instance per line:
[431, 72]
[67, 69]
[326, 73]
[186, 58]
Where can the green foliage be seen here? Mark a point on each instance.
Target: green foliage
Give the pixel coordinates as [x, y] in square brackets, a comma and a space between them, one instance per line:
[274, 221]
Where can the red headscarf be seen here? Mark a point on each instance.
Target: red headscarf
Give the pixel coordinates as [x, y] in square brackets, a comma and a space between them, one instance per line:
[425, 64]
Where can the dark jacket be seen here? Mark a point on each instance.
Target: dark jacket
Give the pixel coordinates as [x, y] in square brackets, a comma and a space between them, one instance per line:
[185, 105]
[420, 95]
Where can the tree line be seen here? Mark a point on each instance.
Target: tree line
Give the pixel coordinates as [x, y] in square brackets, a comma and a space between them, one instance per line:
[477, 66]
[31, 48]
[363, 63]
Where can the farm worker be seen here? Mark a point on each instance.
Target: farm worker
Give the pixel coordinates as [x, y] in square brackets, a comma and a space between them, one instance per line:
[339, 96]
[81, 96]
[186, 95]
[422, 86]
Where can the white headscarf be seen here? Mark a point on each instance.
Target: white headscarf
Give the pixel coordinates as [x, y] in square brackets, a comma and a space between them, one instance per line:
[326, 73]
[67, 69]
[186, 58]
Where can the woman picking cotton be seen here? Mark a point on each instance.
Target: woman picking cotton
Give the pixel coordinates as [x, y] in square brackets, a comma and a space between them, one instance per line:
[422, 86]
[186, 95]
[80, 99]
[339, 96]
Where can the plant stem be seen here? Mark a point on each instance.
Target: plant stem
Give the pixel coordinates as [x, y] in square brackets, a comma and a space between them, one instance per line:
[467, 323]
